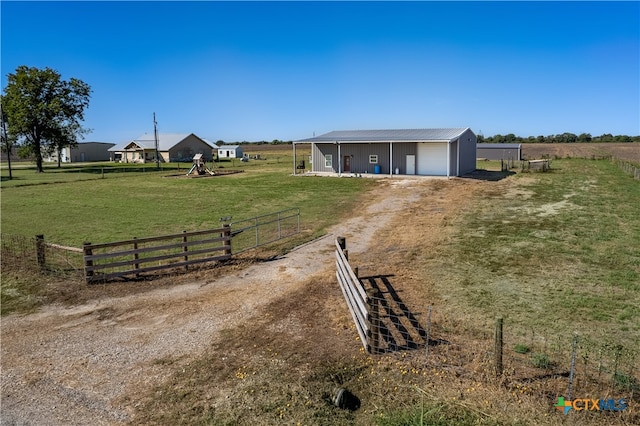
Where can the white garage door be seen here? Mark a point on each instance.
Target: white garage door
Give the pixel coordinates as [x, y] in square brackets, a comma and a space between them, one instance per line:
[432, 159]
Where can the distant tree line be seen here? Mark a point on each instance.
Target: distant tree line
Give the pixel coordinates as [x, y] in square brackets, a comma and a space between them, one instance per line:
[561, 138]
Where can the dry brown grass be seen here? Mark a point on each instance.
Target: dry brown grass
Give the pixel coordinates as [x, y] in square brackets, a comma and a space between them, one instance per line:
[622, 151]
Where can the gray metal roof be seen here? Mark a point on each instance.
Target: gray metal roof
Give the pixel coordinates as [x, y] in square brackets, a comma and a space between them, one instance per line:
[499, 145]
[391, 135]
[166, 141]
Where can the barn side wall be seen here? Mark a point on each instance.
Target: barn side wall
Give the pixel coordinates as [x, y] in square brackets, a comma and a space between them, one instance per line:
[400, 152]
[467, 147]
[359, 153]
[498, 153]
[187, 148]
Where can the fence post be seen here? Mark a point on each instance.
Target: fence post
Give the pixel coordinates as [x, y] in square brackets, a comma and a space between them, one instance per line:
[227, 242]
[185, 249]
[40, 247]
[279, 229]
[342, 242]
[573, 364]
[136, 256]
[373, 318]
[88, 263]
[498, 349]
[428, 336]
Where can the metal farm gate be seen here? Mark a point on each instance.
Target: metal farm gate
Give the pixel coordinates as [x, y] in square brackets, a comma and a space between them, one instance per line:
[258, 231]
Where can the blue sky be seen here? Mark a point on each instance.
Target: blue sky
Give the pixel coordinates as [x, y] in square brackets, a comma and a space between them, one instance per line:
[253, 71]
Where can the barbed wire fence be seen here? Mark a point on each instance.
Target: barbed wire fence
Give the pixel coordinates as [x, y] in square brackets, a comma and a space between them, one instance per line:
[572, 364]
[577, 364]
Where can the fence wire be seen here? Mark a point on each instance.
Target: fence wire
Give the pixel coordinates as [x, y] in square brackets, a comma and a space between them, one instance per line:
[255, 232]
[580, 364]
[19, 252]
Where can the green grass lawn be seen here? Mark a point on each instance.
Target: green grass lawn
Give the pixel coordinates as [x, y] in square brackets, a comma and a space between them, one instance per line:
[555, 253]
[70, 206]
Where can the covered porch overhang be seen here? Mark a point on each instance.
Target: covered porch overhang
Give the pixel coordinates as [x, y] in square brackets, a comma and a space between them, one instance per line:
[340, 143]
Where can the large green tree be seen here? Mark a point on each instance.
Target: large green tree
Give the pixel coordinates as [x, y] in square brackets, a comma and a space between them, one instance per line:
[44, 111]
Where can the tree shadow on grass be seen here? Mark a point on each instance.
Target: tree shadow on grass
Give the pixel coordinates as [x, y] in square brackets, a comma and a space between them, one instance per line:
[399, 327]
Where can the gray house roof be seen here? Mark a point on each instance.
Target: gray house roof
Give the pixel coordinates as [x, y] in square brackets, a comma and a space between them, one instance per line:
[166, 141]
[213, 145]
[392, 135]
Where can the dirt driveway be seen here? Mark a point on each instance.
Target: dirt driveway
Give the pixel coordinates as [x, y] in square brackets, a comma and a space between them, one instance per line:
[88, 364]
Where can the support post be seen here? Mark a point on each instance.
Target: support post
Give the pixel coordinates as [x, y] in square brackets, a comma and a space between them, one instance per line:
[573, 365]
[428, 336]
[40, 248]
[373, 318]
[88, 263]
[342, 242]
[498, 349]
[295, 171]
[135, 254]
[227, 242]
[185, 249]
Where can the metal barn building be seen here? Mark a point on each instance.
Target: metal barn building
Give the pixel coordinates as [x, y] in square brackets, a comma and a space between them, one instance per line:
[500, 151]
[428, 152]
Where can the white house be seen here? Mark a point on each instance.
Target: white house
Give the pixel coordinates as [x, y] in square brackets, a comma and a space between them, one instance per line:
[229, 151]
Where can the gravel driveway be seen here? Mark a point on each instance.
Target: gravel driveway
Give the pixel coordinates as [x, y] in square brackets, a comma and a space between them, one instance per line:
[85, 364]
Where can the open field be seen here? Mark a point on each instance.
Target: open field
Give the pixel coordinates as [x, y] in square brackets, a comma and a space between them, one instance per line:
[86, 206]
[622, 151]
[552, 253]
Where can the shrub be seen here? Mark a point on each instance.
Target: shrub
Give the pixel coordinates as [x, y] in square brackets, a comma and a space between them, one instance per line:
[540, 360]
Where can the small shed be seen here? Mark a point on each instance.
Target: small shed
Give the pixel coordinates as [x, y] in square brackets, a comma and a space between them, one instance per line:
[499, 151]
[229, 151]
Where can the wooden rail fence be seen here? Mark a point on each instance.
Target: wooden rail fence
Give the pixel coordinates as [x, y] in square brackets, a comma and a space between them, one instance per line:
[132, 257]
[362, 304]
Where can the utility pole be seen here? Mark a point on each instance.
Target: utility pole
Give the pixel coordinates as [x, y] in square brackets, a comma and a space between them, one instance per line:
[155, 135]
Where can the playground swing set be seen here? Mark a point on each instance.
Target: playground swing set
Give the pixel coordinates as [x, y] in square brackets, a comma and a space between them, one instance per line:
[199, 166]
